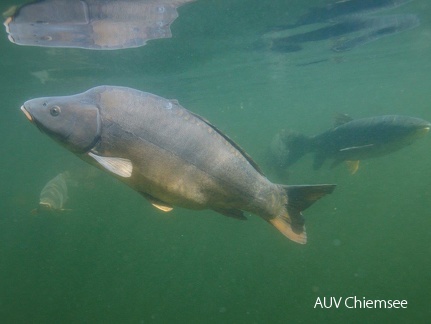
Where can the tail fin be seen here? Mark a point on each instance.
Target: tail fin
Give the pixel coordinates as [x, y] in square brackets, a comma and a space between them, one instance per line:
[299, 198]
[296, 144]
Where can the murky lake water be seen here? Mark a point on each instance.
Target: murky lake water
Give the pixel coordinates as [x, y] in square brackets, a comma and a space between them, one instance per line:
[115, 259]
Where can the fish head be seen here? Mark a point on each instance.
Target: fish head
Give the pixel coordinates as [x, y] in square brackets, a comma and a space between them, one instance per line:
[414, 127]
[400, 129]
[423, 129]
[73, 121]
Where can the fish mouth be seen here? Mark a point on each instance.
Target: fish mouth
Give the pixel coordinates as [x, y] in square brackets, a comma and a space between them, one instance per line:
[6, 24]
[27, 114]
[45, 205]
[424, 130]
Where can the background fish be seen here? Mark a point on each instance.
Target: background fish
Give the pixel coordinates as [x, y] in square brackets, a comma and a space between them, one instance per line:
[54, 194]
[350, 33]
[347, 23]
[170, 155]
[344, 9]
[353, 140]
[376, 28]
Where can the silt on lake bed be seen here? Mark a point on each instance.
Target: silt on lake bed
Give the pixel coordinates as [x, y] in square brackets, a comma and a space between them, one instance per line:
[170, 155]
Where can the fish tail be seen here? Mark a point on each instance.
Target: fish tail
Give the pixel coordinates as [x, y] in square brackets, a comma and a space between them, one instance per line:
[291, 223]
[297, 145]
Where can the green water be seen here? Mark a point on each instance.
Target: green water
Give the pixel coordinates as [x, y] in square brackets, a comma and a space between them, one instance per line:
[116, 259]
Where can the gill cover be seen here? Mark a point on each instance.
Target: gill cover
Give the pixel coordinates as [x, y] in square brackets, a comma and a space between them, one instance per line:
[73, 121]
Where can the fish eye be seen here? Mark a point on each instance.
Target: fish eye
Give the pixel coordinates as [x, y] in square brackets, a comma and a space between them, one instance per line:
[55, 111]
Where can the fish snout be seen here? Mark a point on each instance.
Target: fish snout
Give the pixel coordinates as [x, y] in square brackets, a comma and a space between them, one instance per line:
[424, 130]
[26, 113]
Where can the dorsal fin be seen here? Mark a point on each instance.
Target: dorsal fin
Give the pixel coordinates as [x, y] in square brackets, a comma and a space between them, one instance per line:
[243, 153]
[341, 119]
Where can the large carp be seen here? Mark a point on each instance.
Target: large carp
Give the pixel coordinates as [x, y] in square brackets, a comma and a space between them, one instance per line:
[170, 155]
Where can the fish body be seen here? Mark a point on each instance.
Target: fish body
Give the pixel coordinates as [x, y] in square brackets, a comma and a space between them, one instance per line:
[169, 155]
[355, 140]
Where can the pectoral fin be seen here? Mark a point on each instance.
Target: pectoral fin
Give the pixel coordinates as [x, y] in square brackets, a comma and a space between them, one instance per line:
[119, 166]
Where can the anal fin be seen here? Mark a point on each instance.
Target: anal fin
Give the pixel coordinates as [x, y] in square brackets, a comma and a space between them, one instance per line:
[163, 206]
[353, 166]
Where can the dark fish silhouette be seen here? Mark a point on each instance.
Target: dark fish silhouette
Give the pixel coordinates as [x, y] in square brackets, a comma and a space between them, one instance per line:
[294, 42]
[349, 33]
[344, 9]
[347, 23]
[92, 24]
[376, 28]
[170, 155]
[351, 140]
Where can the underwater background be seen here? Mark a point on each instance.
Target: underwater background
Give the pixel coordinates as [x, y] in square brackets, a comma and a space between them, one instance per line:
[113, 258]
